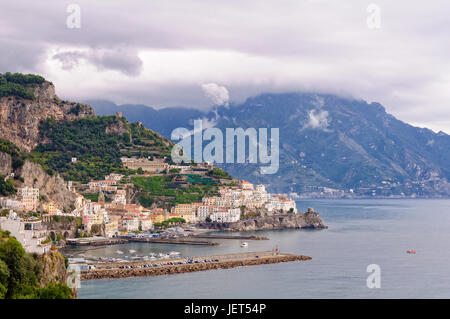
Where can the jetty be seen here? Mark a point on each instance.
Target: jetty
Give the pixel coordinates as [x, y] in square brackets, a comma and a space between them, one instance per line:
[219, 236]
[103, 241]
[177, 241]
[95, 241]
[160, 267]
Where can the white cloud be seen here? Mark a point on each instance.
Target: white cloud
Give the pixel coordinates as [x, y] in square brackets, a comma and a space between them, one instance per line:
[318, 120]
[217, 94]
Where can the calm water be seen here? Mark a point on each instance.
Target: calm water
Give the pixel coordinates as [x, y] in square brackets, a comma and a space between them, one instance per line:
[361, 232]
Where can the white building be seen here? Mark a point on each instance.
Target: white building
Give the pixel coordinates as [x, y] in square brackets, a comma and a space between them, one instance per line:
[8, 203]
[29, 197]
[203, 212]
[114, 177]
[146, 224]
[28, 232]
[260, 188]
[226, 215]
[120, 197]
[246, 185]
[130, 224]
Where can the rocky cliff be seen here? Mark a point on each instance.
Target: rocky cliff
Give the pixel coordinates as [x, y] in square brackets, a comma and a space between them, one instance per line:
[52, 187]
[278, 221]
[5, 163]
[53, 268]
[20, 118]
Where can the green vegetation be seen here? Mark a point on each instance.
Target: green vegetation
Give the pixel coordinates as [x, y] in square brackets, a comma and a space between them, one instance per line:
[170, 222]
[17, 157]
[248, 215]
[98, 153]
[161, 187]
[91, 197]
[6, 187]
[96, 229]
[199, 179]
[76, 109]
[20, 273]
[146, 200]
[155, 185]
[219, 173]
[55, 291]
[16, 84]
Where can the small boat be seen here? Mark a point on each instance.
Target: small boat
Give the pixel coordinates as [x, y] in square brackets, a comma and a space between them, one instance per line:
[244, 244]
[132, 251]
[119, 252]
[174, 253]
[411, 251]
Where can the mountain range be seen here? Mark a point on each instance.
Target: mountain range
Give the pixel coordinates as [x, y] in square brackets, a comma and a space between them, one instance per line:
[330, 146]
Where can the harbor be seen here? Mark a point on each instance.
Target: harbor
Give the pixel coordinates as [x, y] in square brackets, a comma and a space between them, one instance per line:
[180, 238]
[103, 241]
[220, 236]
[175, 241]
[158, 267]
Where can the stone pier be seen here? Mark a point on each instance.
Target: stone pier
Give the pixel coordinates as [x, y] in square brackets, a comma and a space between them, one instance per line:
[112, 270]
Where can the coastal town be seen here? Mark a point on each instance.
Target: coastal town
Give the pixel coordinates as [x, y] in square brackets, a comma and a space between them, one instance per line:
[103, 209]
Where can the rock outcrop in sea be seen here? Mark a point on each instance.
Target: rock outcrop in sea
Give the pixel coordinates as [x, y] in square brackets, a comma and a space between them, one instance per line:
[309, 219]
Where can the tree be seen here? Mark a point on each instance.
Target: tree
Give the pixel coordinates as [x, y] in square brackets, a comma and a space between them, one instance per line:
[146, 200]
[55, 291]
[12, 254]
[96, 229]
[20, 273]
[6, 187]
[3, 291]
[208, 219]
[4, 275]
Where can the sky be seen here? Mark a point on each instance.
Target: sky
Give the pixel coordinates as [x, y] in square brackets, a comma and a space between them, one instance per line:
[200, 53]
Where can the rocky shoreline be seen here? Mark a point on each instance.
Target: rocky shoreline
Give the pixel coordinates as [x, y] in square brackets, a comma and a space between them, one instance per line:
[309, 219]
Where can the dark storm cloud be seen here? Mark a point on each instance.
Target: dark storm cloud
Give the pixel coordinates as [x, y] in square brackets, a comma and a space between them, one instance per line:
[119, 60]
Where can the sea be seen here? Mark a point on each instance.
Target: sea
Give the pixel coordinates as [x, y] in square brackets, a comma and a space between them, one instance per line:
[362, 254]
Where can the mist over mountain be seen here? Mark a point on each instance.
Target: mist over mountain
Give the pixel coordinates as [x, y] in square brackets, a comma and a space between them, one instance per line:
[329, 146]
[162, 121]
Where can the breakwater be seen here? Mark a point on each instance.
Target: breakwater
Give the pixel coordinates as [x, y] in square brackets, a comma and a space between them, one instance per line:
[173, 241]
[182, 265]
[95, 241]
[102, 241]
[218, 236]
